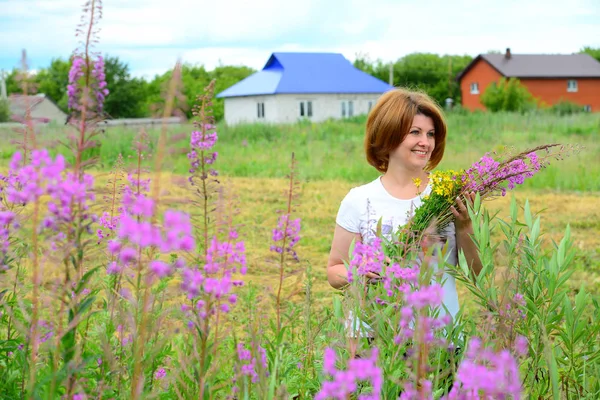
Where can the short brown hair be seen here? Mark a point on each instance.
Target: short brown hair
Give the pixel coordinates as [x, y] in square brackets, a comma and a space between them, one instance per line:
[391, 119]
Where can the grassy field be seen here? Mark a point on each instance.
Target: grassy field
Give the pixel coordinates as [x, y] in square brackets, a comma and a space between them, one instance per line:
[260, 198]
[254, 160]
[334, 150]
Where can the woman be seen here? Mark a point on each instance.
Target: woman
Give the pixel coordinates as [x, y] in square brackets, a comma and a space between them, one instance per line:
[405, 138]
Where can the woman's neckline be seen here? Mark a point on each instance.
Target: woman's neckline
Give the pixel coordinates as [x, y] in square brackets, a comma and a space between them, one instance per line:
[424, 192]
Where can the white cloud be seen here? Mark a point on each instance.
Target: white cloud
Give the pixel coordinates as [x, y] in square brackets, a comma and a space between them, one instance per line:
[151, 35]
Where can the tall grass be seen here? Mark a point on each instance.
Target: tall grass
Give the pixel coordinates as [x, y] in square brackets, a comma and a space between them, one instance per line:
[333, 150]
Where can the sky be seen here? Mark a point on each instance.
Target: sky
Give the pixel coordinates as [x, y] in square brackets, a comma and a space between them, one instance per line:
[151, 35]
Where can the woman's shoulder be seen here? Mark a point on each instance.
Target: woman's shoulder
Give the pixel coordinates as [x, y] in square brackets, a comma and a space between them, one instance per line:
[364, 190]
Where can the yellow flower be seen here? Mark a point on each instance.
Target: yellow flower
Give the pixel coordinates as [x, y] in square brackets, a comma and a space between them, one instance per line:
[417, 182]
[445, 183]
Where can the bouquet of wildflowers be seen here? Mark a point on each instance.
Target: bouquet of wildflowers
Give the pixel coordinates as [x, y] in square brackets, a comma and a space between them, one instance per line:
[493, 175]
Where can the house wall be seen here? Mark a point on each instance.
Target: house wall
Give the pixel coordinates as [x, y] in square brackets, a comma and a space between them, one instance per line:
[285, 108]
[244, 109]
[551, 91]
[482, 73]
[47, 109]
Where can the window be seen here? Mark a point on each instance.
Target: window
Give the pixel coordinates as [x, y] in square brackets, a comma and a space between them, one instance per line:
[587, 108]
[260, 110]
[347, 108]
[370, 106]
[306, 109]
[474, 88]
[571, 85]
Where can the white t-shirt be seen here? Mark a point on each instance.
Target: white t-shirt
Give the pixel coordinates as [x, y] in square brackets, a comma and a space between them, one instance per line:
[361, 210]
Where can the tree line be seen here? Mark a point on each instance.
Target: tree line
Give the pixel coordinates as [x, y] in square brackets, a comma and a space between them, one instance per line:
[132, 97]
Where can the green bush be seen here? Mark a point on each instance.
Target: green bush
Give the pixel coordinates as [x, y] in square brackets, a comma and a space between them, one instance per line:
[565, 107]
[508, 95]
[4, 111]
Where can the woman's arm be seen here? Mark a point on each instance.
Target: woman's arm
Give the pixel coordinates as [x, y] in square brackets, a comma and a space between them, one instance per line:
[464, 228]
[340, 246]
[465, 242]
[337, 274]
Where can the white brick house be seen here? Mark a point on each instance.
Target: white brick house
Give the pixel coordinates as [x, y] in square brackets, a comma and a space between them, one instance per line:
[296, 86]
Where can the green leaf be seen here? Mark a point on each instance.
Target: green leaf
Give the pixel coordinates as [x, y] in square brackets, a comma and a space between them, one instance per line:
[85, 304]
[85, 278]
[527, 214]
[552, 366]
[581, 298]
[535, 230]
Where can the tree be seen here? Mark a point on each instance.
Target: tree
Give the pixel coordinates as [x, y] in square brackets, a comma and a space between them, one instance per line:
[194, 79]
[126, 98]
[14, 82]
[363, 63]
[53, 81]
[192, 82]
[226, 76]
[432, 73]
[127, 95]
[507, 95]
[592, 52]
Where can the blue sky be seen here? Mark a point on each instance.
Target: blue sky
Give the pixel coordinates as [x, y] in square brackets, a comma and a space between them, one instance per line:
[150, 35]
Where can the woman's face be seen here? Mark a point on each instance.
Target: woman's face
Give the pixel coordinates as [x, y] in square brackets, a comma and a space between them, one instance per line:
[415, 150]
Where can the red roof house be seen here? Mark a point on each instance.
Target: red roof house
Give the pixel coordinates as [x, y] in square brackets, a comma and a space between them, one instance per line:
[549, 77]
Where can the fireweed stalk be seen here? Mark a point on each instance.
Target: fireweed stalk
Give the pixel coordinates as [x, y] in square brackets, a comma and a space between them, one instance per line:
[345, 382]
[57, 222]
[87, 86]
[203, 178]
[86, 77]
[286, 236]
[414, 295]
[487, 373]
[11, 216]
[109, 219]
[210, 280]
[178, 227]
[251, 363]
[126, 195]
[10, 212]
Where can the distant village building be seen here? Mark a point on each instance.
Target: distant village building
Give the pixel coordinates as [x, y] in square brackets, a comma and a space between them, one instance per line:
[42, 108]
[550, 77]
[302, 86]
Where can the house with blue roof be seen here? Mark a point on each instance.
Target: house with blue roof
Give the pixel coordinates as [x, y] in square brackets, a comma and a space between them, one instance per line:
[296, 86]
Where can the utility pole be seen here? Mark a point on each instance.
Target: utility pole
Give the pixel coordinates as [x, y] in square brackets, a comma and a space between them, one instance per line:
[450, 76]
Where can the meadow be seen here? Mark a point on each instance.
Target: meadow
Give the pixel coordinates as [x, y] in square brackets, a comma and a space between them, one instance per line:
[130, 339]
[330, 161]
[333, 150]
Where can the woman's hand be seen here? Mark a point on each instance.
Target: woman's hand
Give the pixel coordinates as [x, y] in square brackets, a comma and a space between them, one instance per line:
[461, 214]
[431, 236]
[373, 278]
[464, 230]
